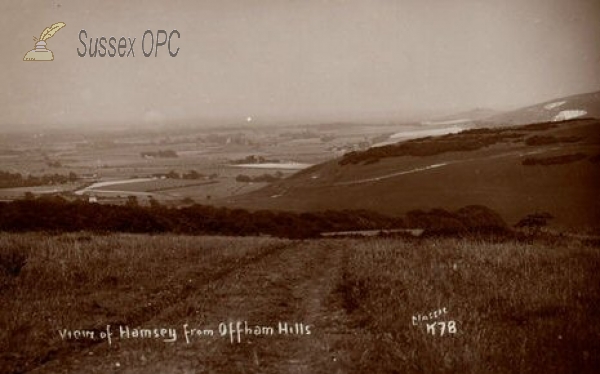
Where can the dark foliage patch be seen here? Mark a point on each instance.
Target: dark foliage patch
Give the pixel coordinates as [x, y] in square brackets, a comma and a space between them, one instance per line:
[12, 260]
[58, 215]
[468, 221]
[8, 180]
[466, 141]
[549, 139]
[554, 160]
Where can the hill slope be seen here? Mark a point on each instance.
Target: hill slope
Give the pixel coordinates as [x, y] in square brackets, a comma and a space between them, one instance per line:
[576, 106]
[551, 167]
[468, 117]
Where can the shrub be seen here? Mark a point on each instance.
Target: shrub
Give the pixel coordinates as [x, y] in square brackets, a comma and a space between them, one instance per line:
[533, 223]
[482, 218]
[242, 178]
[187, 200]
[469, 220]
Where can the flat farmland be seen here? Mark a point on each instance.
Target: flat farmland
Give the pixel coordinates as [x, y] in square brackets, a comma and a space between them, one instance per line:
[154, 185]
[221, 190]
[19, 192]
[175, 191]
[212, 154]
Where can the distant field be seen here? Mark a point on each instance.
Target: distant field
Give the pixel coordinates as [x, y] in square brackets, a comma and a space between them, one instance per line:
[154, 185]
[119, 155]
[222, 189]
[275, 166]
[177, 189]
[524, 307]
[19, 192]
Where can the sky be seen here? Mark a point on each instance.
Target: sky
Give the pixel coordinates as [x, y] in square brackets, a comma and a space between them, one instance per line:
[294, 60]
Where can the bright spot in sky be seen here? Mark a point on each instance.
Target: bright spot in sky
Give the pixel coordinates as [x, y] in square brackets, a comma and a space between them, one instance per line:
[248, 119]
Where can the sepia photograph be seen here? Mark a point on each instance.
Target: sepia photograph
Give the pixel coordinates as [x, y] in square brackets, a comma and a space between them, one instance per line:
[300, 186]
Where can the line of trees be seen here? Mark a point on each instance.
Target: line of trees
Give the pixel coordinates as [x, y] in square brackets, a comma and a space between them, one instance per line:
[554, 160]
[464, 141]
[192, 174]
[55, 214]
[10, 180]
[551, 139]
[471, 219]
[163, 154]
[253, 159]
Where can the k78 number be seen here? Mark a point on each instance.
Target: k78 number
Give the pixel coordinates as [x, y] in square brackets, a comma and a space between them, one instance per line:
[441, 328]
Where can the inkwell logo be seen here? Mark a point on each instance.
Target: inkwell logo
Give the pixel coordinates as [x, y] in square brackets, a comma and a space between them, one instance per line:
[41, 53]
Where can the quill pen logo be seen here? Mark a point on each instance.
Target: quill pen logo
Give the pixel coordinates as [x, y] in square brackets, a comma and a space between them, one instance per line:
[40, 52]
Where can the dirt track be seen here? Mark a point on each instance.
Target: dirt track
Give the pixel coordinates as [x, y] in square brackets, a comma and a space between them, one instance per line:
[291, 284]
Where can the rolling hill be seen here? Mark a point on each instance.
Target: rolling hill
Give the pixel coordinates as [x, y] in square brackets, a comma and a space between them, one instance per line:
[468, 117]
[576, 106]
[549, 167]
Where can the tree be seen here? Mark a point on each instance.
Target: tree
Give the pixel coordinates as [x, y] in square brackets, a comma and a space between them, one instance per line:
[243, 178]
[173, 175]
[187, 200]
[132, 201]
[154, 204]
[193, 174]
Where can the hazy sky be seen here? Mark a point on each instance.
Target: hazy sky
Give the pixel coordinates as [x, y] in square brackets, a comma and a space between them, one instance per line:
[296, 59]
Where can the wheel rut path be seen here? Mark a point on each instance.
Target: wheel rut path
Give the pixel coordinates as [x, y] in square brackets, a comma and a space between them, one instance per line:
[273, 313]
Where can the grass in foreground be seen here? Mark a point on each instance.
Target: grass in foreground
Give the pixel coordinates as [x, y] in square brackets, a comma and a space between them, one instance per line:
[83, 281]
[518, 307]
[526, 308]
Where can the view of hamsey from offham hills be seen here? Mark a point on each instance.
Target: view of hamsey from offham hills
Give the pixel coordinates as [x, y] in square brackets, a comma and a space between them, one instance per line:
[305, 187]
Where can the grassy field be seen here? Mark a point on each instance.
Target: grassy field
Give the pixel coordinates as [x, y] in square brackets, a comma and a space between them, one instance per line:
[525, 308]
[84, 281]
[505, 307]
